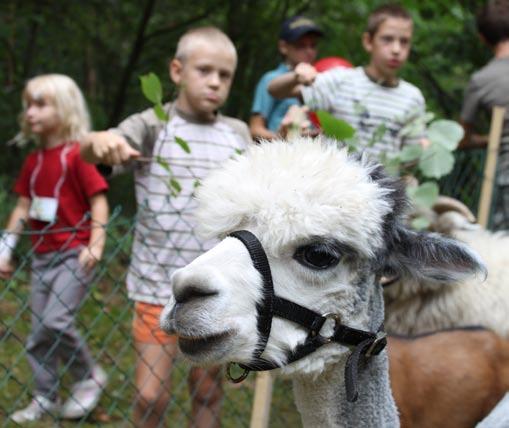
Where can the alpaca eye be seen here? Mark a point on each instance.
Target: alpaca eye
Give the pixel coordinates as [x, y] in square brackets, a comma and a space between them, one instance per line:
[317, 256]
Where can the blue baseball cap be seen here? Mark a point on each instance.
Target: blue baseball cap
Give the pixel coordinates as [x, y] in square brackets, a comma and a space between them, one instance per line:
[296, 26]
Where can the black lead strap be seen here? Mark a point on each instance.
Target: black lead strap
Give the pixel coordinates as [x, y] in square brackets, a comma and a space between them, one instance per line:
[365, 344]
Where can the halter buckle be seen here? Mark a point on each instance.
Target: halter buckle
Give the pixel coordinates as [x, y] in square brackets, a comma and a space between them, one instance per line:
[378, 344]
[230, 377]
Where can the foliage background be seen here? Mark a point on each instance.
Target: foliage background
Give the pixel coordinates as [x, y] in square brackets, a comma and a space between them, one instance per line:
[106, 44]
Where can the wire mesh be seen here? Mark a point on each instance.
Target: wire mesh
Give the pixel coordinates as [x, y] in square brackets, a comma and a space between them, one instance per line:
[465, 181]
[104, 320]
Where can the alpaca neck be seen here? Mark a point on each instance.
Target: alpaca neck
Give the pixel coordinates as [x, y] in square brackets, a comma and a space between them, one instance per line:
[322, 401]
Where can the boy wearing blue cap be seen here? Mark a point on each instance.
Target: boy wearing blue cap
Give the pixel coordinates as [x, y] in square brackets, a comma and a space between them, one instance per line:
[298, 41]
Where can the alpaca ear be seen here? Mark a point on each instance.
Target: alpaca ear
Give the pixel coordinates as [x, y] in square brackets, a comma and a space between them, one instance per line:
[432, 258]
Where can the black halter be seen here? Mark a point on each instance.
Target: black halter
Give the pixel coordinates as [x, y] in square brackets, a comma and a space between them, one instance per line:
[365, 344]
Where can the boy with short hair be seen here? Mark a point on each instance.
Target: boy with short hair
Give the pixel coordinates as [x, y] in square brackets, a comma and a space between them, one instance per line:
[297, 43]
[489, 87]
[203, 70]
[373, 99]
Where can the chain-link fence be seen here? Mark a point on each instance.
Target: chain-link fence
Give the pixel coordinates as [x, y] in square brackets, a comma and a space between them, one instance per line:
[105, 315]
[104, 319]
[465, 181]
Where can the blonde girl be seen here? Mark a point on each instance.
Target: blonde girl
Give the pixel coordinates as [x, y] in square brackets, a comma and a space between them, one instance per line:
[62, 199]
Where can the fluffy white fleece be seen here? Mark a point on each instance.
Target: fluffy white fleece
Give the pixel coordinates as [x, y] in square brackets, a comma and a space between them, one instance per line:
[312, 191]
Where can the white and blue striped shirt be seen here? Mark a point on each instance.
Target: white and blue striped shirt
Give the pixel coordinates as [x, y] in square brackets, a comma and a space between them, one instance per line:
[376, 112]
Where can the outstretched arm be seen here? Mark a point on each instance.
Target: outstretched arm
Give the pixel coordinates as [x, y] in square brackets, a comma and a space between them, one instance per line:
[107, 148]
[470, 139]
[290, 84]
[99, 211]
[258, 128]
[9, 238]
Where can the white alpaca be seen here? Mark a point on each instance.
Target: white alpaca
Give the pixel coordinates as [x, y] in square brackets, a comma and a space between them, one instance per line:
[329, 225]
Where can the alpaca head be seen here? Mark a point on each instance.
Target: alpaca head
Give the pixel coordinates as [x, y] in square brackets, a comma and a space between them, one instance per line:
[330, 226]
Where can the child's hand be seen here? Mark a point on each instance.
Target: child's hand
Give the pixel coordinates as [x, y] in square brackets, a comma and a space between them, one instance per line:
[89, 257]
[296, 123]
[305, 73]
[6, 268]
[109, 148]
[425, 143]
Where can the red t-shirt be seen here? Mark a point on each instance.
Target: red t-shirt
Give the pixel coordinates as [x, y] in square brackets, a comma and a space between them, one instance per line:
[82, 181]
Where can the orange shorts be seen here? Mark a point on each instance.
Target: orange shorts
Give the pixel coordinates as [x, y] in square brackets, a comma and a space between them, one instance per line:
[146, 325]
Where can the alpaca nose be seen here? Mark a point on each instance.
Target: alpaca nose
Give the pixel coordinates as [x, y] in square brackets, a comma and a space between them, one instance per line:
[192, 292]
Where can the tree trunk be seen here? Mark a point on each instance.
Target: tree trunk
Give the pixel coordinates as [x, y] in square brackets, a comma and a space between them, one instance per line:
[131, 63]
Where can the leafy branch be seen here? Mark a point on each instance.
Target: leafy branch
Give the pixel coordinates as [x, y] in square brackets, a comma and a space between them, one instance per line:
[153, 91]
[430, 161]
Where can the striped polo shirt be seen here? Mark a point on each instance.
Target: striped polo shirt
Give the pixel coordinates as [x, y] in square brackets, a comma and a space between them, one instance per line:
[378, 113]
[164, 238]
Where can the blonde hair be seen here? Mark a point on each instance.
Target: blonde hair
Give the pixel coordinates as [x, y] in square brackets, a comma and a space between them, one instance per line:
[65, 95]
[209, 35]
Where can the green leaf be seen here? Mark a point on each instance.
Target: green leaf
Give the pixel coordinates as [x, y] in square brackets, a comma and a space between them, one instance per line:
[163, 163]
[436, 161]
[410, 153]
[392, 165]
[160, 113]
[416, 126]
[377, 134]
[175, 185]
[420, 223]
[424, 195]
[98, 296]
[152, 88]
[447, 133]
[353, 144]
[183, 144]
[428, 116]
[333, 127]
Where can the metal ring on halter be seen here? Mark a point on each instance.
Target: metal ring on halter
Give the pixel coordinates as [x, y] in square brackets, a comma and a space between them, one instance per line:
[235, 379]
[337, 321]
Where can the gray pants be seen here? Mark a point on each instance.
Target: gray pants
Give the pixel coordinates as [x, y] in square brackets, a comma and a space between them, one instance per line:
[59, 285]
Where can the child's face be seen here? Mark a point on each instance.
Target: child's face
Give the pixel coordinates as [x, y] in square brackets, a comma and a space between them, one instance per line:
[204, 79]
[41, 116]
[304, 49]
[389, 47]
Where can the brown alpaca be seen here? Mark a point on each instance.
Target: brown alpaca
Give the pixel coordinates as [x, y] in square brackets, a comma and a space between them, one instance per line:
[451, 378]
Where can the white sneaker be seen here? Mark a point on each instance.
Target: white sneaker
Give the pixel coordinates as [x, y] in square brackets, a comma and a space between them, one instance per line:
[85, 395]
[37, 408]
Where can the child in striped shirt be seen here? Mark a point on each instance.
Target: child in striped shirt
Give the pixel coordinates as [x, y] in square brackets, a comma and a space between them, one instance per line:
[203, 70]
